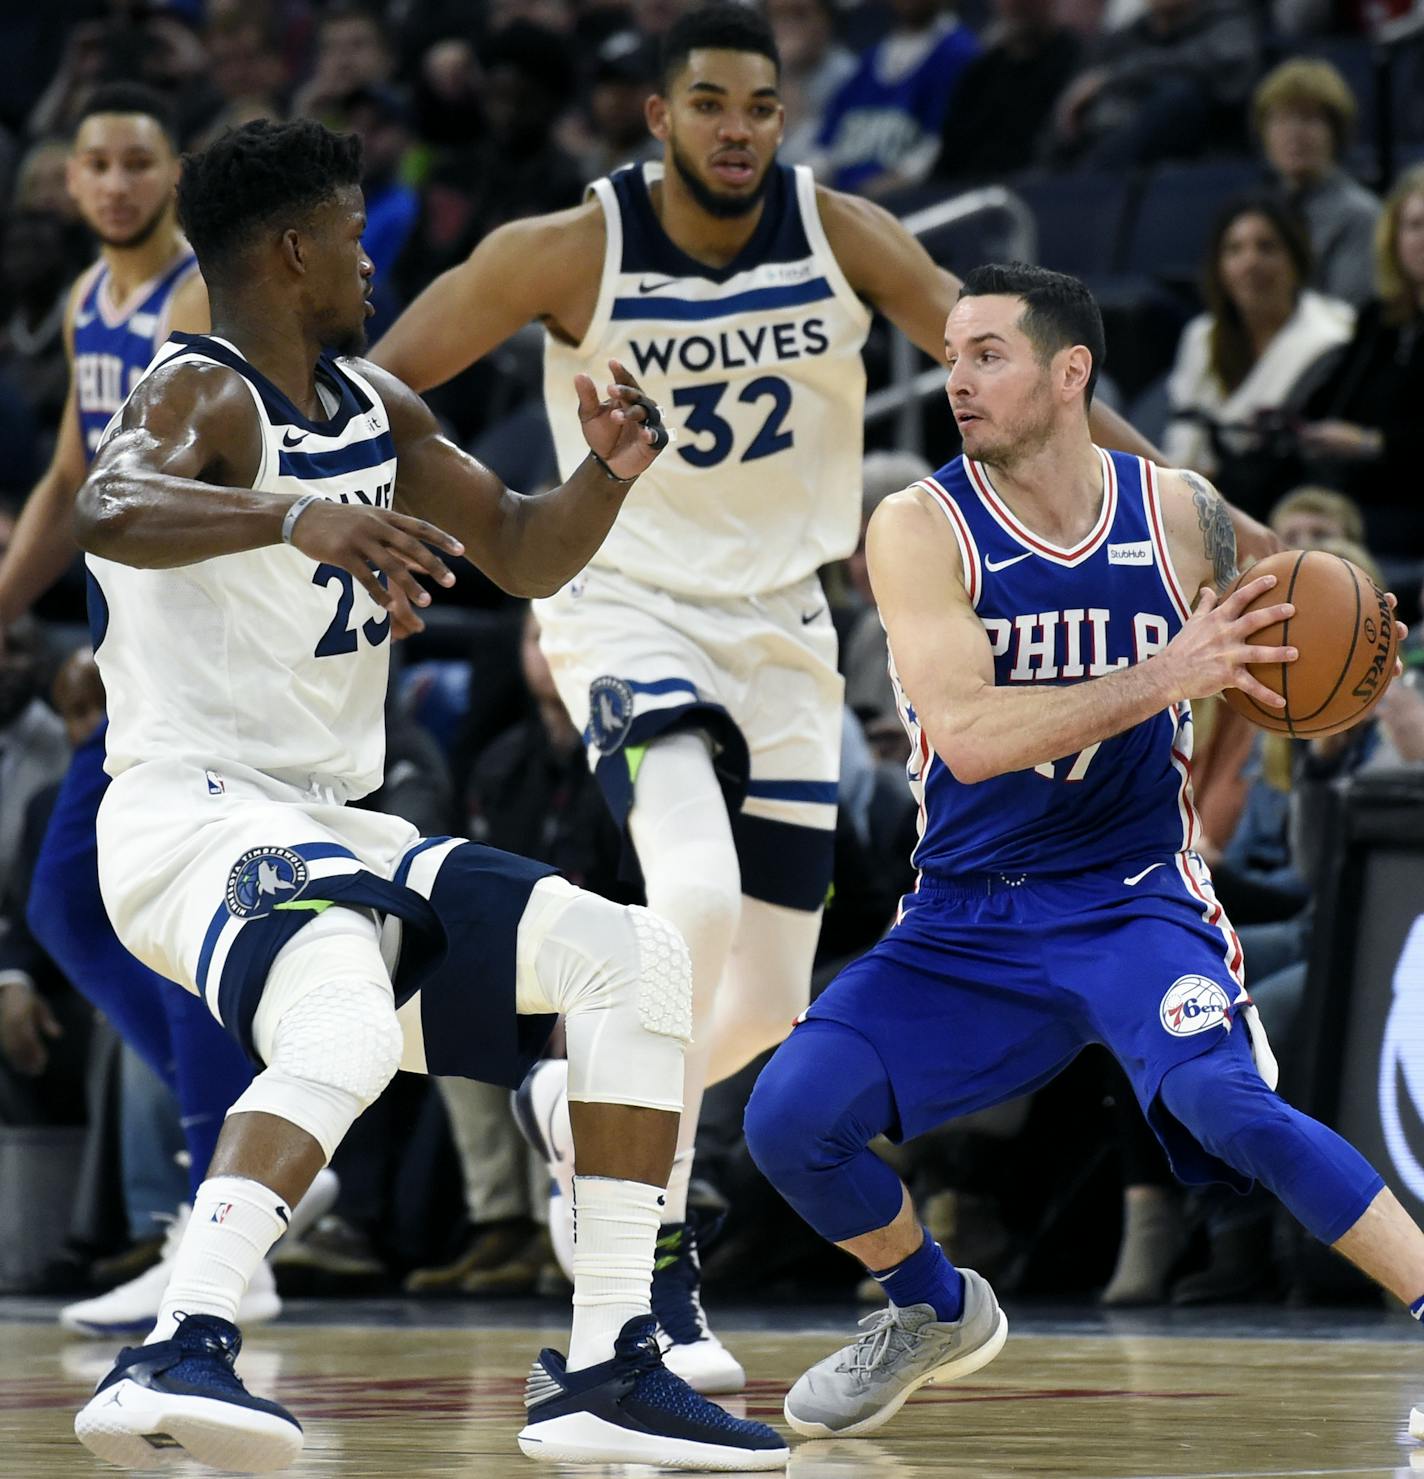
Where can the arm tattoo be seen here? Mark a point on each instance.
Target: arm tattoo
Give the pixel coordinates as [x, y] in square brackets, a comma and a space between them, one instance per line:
[1218, 535]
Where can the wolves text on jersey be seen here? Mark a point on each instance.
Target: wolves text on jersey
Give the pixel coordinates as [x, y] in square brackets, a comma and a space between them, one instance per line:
[1047, 646]
[731, 349]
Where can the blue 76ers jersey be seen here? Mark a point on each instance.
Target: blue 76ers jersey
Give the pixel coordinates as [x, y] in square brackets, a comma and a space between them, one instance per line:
[114, 344]
[1056, 615]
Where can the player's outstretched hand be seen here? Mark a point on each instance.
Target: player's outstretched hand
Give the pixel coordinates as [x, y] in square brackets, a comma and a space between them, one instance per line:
[1214, 649]
[371, 542]
[626, 430]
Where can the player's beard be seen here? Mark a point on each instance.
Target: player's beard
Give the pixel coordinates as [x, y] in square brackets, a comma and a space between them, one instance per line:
[724, 207]
[139, 236]
[1020, 442]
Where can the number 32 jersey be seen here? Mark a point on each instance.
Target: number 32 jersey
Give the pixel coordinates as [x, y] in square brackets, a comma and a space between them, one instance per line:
[265, 659]
[1056, 616]
[757, 369]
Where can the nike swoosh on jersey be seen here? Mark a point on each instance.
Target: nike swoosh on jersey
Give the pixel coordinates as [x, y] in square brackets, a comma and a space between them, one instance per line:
[806, 619]
[655, 287]
[287, 440]
[83, 320]
[992, 565]
[1138, 877]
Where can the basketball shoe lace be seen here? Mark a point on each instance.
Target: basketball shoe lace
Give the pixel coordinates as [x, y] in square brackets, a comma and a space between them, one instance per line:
[885, 1341]
[676, 1298]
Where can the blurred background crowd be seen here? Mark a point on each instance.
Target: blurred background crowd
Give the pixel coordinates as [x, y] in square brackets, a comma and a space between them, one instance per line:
[1242, 184]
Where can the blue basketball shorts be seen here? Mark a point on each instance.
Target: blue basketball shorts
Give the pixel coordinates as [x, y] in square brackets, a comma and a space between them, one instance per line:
[987, 987]
[207, 874]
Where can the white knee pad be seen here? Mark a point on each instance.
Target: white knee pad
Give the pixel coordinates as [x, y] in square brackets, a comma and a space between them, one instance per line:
[683, 836]
[622, 979]
[327, 1029]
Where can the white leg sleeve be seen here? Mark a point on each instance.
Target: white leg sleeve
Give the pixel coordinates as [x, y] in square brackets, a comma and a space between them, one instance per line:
[622, 980]
[683, 837]
[326, 1028]
[766, 986]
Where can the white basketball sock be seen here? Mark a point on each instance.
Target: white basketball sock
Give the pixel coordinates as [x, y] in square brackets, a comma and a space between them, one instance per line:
[678, 1182]
[234, 1222]
[615, 1232]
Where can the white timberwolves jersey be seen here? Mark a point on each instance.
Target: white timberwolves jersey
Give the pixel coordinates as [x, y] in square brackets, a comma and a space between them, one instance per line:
[262, 659]
[758, 372]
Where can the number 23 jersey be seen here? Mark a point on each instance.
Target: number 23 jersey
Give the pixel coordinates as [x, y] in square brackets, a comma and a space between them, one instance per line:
[757, 369]
[264, 659]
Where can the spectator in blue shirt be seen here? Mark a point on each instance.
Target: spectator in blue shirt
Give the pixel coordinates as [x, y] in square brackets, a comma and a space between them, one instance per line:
[882, 128]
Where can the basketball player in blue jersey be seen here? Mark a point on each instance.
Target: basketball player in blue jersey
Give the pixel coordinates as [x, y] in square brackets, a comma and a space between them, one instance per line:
[255, 520]
[121, 174]
[1036, 594]
[697, 652]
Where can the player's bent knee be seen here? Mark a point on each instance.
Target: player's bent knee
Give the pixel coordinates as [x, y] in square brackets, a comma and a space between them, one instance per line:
[795, 1121]
[326, 1027]
[699, 891]
[622, 979]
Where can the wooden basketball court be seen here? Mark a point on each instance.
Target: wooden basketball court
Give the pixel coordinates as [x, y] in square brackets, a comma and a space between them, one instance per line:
[411, 1389]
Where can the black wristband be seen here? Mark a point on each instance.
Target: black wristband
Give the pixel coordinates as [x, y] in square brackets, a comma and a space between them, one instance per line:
[608, 471]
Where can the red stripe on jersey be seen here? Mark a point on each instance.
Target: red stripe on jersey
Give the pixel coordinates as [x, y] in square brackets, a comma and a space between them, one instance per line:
[1159, 538]
[966, 539]
[1005, 518]
[1216, 916]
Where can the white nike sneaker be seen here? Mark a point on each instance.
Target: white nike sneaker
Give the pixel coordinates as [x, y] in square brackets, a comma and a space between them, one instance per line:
[541, 1110]
[133, 1307]
[690, 1349]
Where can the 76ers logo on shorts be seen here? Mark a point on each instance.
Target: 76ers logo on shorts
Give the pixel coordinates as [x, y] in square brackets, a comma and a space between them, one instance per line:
[610, 713]
[1194, 1003]
[263, 878]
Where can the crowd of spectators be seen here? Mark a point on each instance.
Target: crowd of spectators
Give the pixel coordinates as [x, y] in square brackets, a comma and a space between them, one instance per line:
[1295, 383]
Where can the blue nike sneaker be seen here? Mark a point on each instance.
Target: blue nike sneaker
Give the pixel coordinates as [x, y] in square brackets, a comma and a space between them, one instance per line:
[184, 1394]
[633, 1410]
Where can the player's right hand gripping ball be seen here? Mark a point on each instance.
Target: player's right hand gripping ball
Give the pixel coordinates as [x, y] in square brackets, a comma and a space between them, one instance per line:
[1344, 630]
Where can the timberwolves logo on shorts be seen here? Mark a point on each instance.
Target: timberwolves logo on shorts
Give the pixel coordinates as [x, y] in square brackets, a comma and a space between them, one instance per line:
[1401, 1069]
[610, 713]
[1194, 1003]
[261, 879]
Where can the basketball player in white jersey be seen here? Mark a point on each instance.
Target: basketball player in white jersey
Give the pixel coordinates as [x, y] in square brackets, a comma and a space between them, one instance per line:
[255, 521]
[697, 651]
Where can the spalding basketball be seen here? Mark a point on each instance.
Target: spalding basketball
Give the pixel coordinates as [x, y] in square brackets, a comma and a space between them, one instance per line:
[1343, 629]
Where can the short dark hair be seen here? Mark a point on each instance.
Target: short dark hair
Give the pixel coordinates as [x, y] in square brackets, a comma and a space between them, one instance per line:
[131, 97]
[1059, 311]
[720, 26]
[255, 175]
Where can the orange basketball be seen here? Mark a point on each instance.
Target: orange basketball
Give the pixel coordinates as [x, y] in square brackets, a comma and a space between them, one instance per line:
[1343, 629]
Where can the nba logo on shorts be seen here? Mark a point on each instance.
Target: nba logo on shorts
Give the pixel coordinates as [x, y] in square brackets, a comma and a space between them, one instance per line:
[610, 713]
[1194, 1003]
[262, 879]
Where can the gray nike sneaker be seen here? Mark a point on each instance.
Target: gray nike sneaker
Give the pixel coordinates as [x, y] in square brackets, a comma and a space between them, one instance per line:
[863, 1385]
